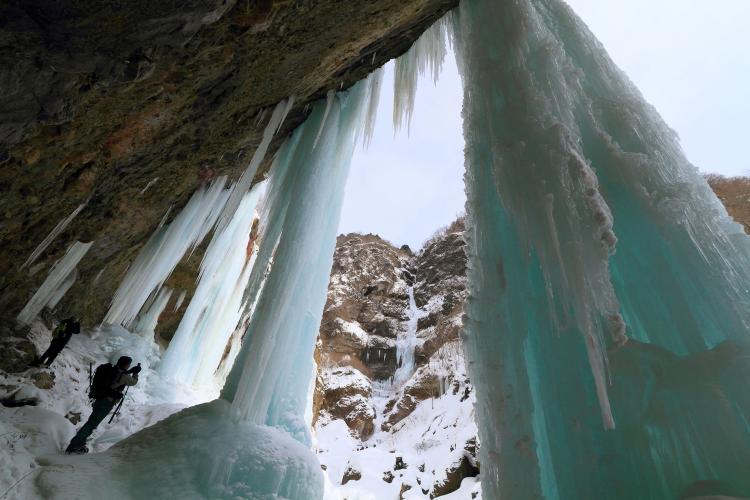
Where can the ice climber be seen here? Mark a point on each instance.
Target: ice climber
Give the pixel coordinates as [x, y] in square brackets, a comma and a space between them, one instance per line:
[106, 390]
[60, 338]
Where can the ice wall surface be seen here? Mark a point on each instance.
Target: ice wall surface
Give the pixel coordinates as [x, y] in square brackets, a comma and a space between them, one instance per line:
[609, 305]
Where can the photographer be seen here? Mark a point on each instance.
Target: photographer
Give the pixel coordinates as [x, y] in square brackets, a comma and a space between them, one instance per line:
[106, 391]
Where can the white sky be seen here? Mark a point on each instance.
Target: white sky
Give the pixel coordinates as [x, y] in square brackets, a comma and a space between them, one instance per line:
[689, 58]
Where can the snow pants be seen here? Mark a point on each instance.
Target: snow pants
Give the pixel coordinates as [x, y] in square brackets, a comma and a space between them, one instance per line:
[101, 409]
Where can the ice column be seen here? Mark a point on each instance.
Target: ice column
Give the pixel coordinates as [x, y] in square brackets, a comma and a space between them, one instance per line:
[60, 279]
[215, 309]
[562, 154]
[271, 377]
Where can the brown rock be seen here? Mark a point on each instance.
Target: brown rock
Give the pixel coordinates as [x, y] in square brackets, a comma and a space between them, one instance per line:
[454, 476]
[43, 379]
[351, 474]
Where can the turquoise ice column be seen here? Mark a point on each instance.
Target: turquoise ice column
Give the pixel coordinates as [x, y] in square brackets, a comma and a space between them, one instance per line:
[270, 381]
[607, 323]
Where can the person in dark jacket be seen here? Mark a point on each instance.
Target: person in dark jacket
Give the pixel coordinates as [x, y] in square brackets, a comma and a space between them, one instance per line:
[107, 386]
[60, 338]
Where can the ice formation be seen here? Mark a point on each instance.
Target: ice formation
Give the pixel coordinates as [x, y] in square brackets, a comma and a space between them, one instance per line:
[59, 228]
[254, 441]
[269, 383]
[428, 52]
[60, 278]
[406, 341]
[562, 153]
[164, 250]
[149, 316]
[214, 312]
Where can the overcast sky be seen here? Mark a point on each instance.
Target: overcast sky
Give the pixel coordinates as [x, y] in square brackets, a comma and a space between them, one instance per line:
[689, 58]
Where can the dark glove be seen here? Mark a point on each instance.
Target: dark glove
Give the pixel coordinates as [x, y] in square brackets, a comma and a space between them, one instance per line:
[136, 369]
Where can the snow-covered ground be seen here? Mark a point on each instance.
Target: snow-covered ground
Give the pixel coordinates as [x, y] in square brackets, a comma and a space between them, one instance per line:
[28, 434]
[430, 441]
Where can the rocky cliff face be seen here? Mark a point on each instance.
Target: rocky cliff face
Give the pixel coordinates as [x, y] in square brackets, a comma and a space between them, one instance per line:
[734, 193]
[127, 107]
[393, 406]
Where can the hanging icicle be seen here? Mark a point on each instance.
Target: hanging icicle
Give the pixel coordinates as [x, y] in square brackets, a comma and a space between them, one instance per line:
[58, 282]
[164, 250]
[59, 228]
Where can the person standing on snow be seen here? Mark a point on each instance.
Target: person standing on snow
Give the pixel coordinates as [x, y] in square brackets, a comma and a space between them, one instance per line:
[60, 337]
[106, 391]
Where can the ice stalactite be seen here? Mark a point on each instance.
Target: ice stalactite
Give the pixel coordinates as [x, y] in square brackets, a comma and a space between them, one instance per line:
[149, 315]
[179, 301]
[59, 228]
[269, 382]
[242, 186]
[164, 250]
[562, 154]
[196, 349]
[59, 280]
[376, 85]
[427, 53]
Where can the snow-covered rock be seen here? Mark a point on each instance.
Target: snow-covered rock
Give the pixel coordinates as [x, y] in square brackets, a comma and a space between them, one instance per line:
[409, 381]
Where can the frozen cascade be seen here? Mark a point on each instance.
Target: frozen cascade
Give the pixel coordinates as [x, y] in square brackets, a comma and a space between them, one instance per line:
[195, 351]
[562, 152]
[59, 228]
[269, 384]
[164, 250]
[406, 342]
[58, 281]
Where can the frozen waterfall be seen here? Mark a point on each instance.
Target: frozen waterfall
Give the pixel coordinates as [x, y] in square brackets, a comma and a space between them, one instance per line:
[607, 322]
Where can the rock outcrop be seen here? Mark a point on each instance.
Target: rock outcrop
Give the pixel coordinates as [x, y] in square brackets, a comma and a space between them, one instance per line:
[422, 416]
[127, 107]
[734, 193]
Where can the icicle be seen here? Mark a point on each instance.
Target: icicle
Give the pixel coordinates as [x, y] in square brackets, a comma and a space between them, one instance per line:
[164, 250]
[148, 319]
[150, 183]
[428, 52]
[242, 186]
[180, 300]
[375, 84]
[56, 284]
[329, 100]
[59, 228]
[268, 383]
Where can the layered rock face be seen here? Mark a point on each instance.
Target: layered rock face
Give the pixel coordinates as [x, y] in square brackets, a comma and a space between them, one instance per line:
[366, 306]
[125, 108]
[391, 372]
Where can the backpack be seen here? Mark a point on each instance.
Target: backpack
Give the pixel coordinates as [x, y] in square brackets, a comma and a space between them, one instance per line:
[101, 385]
